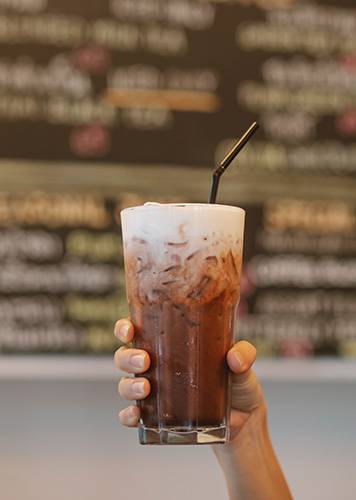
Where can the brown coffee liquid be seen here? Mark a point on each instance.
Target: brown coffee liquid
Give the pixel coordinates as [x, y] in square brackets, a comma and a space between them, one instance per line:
[186, 325]
[188, 373]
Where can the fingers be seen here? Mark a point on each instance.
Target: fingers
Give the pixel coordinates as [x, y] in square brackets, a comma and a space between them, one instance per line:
[124, 330]
[134, 388]
[132, 360]
[130, 416]
[129, 360]
[241, 357]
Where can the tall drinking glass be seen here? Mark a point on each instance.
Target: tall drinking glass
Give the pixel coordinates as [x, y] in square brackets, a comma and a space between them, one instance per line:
[183, 267]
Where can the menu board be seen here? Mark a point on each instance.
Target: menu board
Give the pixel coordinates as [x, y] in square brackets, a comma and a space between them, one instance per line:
[62, 278]
[147, 84]
[299, 279]
[174, 82]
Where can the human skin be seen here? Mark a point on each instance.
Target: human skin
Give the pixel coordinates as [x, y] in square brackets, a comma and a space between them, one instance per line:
[248, 461]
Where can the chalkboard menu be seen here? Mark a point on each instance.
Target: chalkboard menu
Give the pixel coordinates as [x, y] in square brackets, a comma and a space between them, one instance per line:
[62, 279]
[138, 85]
[299, 280]
[174, 81]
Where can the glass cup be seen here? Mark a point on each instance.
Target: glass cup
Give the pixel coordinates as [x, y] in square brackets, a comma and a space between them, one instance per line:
[183, 268]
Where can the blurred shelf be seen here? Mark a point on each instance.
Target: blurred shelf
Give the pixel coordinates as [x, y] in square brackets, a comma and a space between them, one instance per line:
[47, 367]
[53, 367]
[308, 370]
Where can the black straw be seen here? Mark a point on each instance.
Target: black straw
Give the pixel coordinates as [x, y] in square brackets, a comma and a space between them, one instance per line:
[228, 159]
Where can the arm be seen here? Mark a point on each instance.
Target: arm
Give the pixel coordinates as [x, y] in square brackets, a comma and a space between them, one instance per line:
[248, 461]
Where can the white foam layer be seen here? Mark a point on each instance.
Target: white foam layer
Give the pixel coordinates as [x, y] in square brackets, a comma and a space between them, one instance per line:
[159, 224]
[189, 253]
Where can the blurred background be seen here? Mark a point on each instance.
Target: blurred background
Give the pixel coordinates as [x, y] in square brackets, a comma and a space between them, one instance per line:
[108, 104]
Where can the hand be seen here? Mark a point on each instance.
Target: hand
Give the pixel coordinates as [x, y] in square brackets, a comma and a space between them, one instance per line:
[246, 391]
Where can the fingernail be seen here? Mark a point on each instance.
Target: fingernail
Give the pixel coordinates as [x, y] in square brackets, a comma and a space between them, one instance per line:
[127, 412]
[132, 415]
[239, 361]
[131, 411]
[122, 330]
[131, 420]
[138, 388]
[138, 361]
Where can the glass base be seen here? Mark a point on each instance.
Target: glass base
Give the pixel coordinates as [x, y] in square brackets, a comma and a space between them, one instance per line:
[181, 435]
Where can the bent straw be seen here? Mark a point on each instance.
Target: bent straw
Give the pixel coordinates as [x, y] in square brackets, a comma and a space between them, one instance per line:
[228, 159]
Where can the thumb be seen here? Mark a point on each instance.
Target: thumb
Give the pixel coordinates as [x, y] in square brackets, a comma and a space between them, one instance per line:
[246, 390]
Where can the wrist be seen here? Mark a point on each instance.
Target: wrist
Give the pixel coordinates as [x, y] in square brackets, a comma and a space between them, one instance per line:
[249, 463]
[252, 438]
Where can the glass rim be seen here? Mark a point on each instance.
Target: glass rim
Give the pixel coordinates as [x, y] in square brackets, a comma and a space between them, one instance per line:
[156, 206]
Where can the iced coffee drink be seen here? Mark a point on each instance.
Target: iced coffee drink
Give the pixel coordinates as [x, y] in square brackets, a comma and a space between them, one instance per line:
[183, 265]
